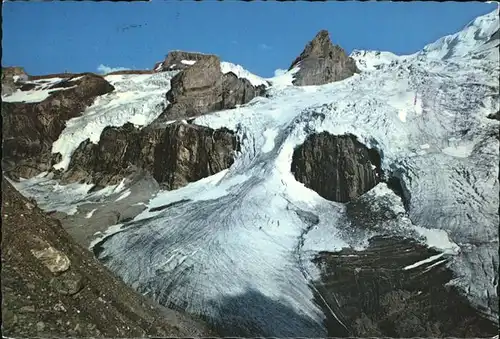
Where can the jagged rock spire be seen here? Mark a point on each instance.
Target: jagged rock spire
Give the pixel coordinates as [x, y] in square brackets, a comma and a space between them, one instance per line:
[322, 62]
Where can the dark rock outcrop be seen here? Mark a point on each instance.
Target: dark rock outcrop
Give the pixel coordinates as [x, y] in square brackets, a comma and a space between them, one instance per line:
[29, 129]
[203, 88]
[196, 90]
[338, 168]
[321, 62]
[494, 116]
[374, 296]
[178, 61]
[174, 155]
[43, 296]
[236, 91]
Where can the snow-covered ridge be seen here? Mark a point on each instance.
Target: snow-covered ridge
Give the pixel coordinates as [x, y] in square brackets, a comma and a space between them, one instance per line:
[475, 37]
[283, 79]
[478, 39]
[372, 60]
[240, 72]
[40, 92]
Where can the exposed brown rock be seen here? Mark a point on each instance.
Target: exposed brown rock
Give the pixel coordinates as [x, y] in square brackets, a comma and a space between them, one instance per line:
[53, 259]
[236, 91]
[203, 88]
[9, 72]
[321, 62]
[87, 300]
[174, 155]
[196, 90]
[31, 128]
[173, 61]
[338, 168]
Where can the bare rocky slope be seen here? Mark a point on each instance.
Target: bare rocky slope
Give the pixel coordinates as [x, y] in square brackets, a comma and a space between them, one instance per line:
[52, 286]
[375, 298]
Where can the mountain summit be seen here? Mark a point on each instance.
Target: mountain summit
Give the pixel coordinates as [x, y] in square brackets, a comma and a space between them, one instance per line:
[322, 62]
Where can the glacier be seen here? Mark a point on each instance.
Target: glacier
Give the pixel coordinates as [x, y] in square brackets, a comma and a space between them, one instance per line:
[236, 248]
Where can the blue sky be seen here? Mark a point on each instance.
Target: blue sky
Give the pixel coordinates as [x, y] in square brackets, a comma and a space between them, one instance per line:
[52, 37]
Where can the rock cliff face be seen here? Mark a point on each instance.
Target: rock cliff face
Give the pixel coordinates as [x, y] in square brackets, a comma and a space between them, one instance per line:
[238, 91]
[375, 297]
[196, 90]
[322, 62]
[31, 128]
[174, 155]
[52, 286]
[339, 168]
[203, 88]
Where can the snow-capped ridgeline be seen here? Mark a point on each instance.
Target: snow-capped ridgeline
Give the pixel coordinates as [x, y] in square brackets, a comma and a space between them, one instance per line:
[227, 67]
[137, 98]
[477, 36]
[240, 72]
[478, 40]
[372, 60]
[283, 79]
[40, 92]
[424, 113]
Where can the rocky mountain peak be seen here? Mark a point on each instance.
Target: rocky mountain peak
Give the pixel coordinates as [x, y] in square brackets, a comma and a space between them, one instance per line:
[322, 62]
[320, 47]
[203, 88]
[179, 60]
